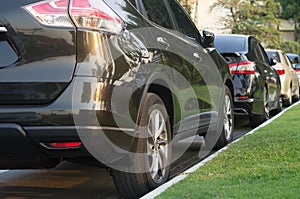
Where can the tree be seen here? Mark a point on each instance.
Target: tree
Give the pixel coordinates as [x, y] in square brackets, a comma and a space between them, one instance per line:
[252, 17]
[291, 11]
[186, 5]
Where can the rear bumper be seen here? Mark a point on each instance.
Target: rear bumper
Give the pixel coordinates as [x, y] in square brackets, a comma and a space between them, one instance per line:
[18, 151]
[248, 107]
[25, 147]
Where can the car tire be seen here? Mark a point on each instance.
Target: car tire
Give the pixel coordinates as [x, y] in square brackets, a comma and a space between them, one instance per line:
[228, 121]
[279, 106]
[296, 97]
[289, 100]
[154, 143]
[256, 120]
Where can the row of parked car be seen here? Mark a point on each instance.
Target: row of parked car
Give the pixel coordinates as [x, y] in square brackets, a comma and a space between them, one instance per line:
[262, 77]
[118, 83]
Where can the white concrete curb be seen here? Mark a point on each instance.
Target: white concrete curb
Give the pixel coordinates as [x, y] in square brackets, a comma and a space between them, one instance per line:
[167, 185]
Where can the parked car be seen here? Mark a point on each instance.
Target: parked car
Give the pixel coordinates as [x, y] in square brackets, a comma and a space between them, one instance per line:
[256, 83]
[295, 60]
[288, 77]
[108, 83]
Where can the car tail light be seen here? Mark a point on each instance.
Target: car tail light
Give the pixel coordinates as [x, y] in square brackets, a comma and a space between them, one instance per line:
[281, 72]
[96, 15]
[243, 97]
[242, 68]
[51, 13]
[62, 145]
[297, 70]
[85, 14]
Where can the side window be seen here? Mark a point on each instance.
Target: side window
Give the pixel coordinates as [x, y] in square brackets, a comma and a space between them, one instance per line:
[184, 24]
[158, 13]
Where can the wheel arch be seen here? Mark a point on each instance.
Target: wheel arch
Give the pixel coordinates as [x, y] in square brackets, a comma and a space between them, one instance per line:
[159, 85]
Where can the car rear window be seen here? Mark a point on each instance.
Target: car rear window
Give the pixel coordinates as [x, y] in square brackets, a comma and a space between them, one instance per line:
[274, 55]
[230, 44]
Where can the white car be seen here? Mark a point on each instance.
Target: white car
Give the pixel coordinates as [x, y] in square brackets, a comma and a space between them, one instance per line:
[288, 77]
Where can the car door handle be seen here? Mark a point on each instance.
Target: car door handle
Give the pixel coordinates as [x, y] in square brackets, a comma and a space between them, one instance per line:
[197, 56]
[3, 30]
[163, 41]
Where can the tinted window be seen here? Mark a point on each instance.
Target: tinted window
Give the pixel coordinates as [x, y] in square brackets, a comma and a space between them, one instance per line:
[230, 44]
[294, 58]
[184, 24]
[158, 13]
[274, 55]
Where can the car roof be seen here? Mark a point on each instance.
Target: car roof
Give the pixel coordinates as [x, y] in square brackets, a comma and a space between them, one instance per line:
[234, 35]
[292, 55]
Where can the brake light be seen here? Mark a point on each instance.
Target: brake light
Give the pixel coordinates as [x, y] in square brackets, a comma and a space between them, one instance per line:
[242, 68]
[281, 72]
[297, 70]
[85, 14]
[243, 97]
[63, 145]
[51, 13]
[96, 15]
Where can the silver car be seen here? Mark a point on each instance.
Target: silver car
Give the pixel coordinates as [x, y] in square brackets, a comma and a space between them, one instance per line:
[288, 77]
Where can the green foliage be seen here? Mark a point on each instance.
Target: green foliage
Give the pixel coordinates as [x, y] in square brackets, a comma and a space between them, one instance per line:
[290, 9]
[290, 47]
[252, 17]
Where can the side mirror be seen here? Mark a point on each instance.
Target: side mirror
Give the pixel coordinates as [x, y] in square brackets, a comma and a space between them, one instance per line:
[273, 61]
[208, 39]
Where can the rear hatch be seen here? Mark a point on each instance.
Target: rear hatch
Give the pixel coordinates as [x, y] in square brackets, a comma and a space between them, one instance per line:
[243, 74]
[36, 60]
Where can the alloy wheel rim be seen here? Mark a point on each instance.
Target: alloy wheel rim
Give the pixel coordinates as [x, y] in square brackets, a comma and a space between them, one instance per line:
[157, 146]
[227, 118]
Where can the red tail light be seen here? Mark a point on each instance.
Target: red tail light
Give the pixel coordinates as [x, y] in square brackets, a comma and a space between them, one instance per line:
[51, 13]
[281, 72]
[242, 68]
[86, 14]
[297, 70]
[96, 15]
[63, 145]
[243, 97]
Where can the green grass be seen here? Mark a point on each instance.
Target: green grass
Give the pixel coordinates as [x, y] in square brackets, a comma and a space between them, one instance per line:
[265, 164]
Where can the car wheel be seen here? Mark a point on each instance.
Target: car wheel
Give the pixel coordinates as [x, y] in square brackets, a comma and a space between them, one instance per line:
[256, 120]
[228, 121]
[296, 97]
[289, 100]
[279, 106]
[155, 147]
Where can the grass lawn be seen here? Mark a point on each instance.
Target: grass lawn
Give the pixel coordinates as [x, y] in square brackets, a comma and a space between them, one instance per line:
[265, 164]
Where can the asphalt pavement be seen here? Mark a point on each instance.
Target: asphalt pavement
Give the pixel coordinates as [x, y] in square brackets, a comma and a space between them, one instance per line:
[69, 180]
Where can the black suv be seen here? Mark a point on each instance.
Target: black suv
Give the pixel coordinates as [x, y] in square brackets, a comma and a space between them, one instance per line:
[110, 83]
